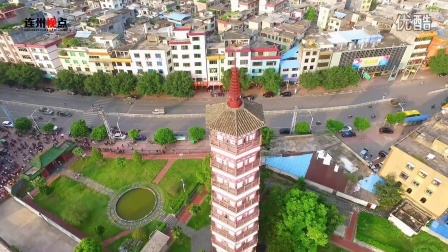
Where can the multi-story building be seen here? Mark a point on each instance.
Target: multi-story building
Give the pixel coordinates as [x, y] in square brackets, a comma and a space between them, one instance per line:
[325, 12]
[151, 54]
[113, 22]
[16, 35]
[342, 20]
[215, 62]
[440, 42]
[206, 21]
[179, 19]
[285, 35]
[289, 64]
[111, 4]
[271, 6]
[188, 48]
[11, 14]
[321, 2]
[418, 163]
[247, 5]
[235, 160]
[358, 5]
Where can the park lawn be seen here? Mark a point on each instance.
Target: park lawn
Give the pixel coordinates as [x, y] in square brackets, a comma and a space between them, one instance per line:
[202, 219]
[150, 227]
[379, 232]
[182, 244]
[171, 183]
[331, 248]
[114, 176]
[68, 192]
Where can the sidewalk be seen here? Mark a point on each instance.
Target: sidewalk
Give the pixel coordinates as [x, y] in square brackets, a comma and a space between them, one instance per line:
[185, 214]
[350, 233]
[152, 156]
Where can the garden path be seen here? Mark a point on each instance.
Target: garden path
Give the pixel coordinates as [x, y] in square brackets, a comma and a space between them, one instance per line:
[89, 183]
[163, 171]
[347, 242]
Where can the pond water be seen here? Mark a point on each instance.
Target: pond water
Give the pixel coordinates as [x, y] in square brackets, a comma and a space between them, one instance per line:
[135, 204]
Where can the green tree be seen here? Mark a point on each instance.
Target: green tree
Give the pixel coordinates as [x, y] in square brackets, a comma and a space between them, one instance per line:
[391, 118]
[38, 182]
[361, 123]
[69, 80]
[164, 136]
[74, 214]
[244, 77]
[78, 151]
[150, 83]
[99, 230]
[266, 135]
[120, 161]
[272, 81]
[23, 124]
[302, 128]
[373, 5]
[123, 83]
[334, 126]
[99, 133]
[140, 234]
[203, 174]
[25, 74]
[310, 14]
[195, 209]
[48, 128]
[179, 84]
[88, 245]
[334, 219]
[176, 232]
[97, 155]
[196, 133]
[98, 84]
[339, 77]
[388, 192]
[400, 116]
[137, 157]
[301, 184]
[311, 80]
[4, 68]
[133, 134]
[439, 63]
[79, 129]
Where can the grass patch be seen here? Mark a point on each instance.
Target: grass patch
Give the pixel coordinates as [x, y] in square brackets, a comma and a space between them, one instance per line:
[380, 233]
[171, 183]
[114, 176]
[202, 219]
[68, 192]
[331, 248]
[182, 244]
[114, 246]
[150, 227]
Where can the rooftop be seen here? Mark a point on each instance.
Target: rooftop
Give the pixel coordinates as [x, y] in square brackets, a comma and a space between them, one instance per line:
[278, 33]
[48, 38]
[419, 144]
[178, 16]
[150, 43]
[411, 215]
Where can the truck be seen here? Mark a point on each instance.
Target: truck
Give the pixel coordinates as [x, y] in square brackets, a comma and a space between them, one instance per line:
[158, 111]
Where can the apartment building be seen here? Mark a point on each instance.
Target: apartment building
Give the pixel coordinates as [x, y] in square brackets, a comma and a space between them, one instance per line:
[188, 48]
[439, 42]
[325, 12]
[418, 163]
[342, 20]
[314, 54]
[11, 14]
[111, 4]
[151, 54]
[179, 19]
[289, 64]
[271, 6]
[358, 5]
[206, 21]
[215, 61]
[16, 35]
[285, 35]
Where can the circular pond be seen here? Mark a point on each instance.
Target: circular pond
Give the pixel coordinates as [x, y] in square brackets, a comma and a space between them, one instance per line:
[135, 204]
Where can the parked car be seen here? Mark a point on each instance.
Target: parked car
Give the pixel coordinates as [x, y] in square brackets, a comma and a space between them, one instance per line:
[348, 134]
[285, 131]
[7, 124]
[48, 90]
[140, 138]
[346, 128]
[364, 153]
[268, 94]
[119, 132]
[442, 74]
[120, 136]
[386, 130]
[286, 94]
[249, 97]
[68, 92]
[64, 114]
[383, 153]
[180, 137]
[46, 111]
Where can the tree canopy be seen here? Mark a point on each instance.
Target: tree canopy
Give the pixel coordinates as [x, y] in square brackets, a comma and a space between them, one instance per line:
[271, 80]
[150, 83]
[331, 78]
[79, 129]
[164, 136]
[395, 118]
[98, 84]
[4, 68]
[334, 126]
[179, 84]
[266, 135]
[361, 123]
[310, 14]
[89, 245]
[197, 133]
[388, 192]
[99, 133]
[123, 83]
[439, 63]
[302, 128]
[245, 80]
[48, 128]
[23, 124]
[69, 80]
[133, 134]
[25, 74]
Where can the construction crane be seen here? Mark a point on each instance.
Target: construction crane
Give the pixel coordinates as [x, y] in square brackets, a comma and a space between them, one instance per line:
[11, 119]
[294, 120]
[103, 116]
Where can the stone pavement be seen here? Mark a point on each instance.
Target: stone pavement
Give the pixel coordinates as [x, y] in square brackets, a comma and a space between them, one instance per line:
[163, 171]
[185, 214]
[89, 183]
[348, 241]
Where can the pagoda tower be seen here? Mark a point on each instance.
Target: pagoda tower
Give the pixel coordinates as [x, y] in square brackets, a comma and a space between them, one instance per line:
[235, 158]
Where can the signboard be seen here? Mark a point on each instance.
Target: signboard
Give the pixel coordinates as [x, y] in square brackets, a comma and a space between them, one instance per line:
[371, 61]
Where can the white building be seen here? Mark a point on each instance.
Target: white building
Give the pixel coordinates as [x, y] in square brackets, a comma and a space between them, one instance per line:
[112, 4]
[271, 6]
[151, 54]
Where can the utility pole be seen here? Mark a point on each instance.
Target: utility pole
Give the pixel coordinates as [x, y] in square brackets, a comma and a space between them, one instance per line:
[11, 119]
[294, 119]
[102, 115]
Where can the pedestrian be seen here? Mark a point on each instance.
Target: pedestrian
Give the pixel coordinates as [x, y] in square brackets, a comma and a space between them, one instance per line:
[362, 138]
[371, 155]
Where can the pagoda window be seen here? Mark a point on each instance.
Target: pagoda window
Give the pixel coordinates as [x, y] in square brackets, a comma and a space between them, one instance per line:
[250, 180]
[252, 159]
[231, 233]
[239, 165]
[252, 136]
[246, 161]
[239, 218]
[219, 211]
[232, 185]
[220, 180]
[239, 203]
[219, 196]
[231, 218]
[240, 141]
[252, 196]
[251, 211]
[219, 137]
[232, 141]
[219, 160]
[239, 232]
[231, 164]
[239, 185]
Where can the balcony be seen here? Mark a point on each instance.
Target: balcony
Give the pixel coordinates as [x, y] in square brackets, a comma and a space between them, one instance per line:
[236, 223]
[234, 148]
[243, 247]
[235, 171]
[234, 208]
[234, 190]
[235, 238]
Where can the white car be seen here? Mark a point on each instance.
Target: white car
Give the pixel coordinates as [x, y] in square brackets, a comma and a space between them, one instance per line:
[8, 124]
[346, 128]
[120, 136]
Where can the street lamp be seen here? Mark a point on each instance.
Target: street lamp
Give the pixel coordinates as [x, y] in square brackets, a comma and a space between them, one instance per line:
[118, 120]
[312, 119]
[183, 184]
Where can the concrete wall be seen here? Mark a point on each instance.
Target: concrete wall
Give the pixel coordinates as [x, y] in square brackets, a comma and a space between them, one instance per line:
[402, 226]
[356, 200]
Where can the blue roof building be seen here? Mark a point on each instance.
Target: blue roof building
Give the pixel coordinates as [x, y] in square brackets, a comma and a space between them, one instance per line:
[290, 64]
[179, 19]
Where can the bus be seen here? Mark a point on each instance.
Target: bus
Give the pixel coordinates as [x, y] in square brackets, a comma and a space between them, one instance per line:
[411, 113]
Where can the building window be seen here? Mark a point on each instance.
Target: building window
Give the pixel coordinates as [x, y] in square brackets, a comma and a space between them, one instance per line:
[82, 55]
[158, 56]
[175, 56]
[185, 56]
[415, 183]
[423, 174]
[271, 63]
[136, 55]
[149, 63]
[84, 62]
[311, 67]
[76, 62]
[213, 62]
[305, 68]
[176, 64]
[230, 62]
[404, 176]
[409, 190]
[87, 69]
[198, 72]
[41, 65]
[186, 64]
[159, 63]
[197, 56]
[428, 192]
[195, 38]
[423, 200]
[49, 66]
[173, 47]
[258, 63]
[184, 47]
[308, 53]
[197, 64]
[79, 69]
[26, 57]
[306, 60]
[436, 182]
[244, 62]
[45, 58]
[313, 60]
[410, 166]
[97, 64]
[147, 55]
[70, 68]
[244, 54]
[285, 69]
[138, 63]
[67, 61]
[196, 47]
[213, 70]
[314, 53]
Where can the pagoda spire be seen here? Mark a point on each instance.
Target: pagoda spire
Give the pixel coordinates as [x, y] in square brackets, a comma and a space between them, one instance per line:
[235, 89]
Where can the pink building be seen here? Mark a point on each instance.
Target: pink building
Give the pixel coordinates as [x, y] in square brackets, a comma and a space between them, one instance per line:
[235, 140]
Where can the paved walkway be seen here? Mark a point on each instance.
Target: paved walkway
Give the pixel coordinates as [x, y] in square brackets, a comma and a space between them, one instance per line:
[116, 237]
[89, 183]
[159, 156]
[350, 233]
[163, 171]
[185, 214]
